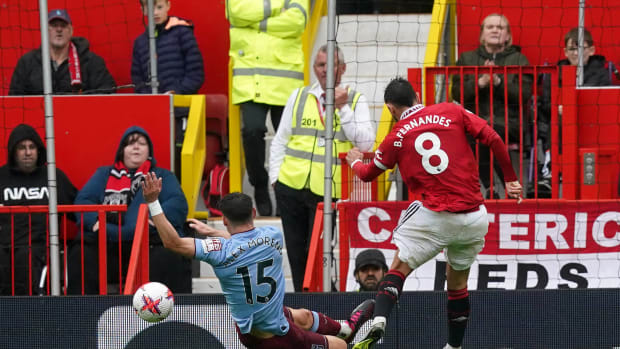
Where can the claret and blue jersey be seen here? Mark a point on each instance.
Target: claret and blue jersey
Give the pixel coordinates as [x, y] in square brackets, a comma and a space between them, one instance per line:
[249, 268]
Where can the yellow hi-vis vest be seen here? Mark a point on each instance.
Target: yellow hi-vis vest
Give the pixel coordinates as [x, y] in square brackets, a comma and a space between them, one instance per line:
[304, 159]
[266, 49]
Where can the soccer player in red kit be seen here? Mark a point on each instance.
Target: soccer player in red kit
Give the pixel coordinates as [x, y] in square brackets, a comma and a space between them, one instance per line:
[431, 149]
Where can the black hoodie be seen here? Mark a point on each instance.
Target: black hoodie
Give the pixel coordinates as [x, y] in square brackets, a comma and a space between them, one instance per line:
[20, 189]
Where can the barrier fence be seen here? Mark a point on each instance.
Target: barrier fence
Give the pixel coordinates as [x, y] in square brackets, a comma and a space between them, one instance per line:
[29, 274]
[584, 153]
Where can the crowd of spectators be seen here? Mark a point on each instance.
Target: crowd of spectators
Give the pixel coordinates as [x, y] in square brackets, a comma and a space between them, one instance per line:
[267, 58]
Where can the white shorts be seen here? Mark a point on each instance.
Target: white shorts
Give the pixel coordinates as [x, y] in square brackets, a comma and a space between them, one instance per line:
[421, 234]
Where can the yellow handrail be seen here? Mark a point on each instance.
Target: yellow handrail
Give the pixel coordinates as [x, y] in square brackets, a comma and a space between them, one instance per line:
[438, 21]
[309, 36]
[194, 150]
[235, 148]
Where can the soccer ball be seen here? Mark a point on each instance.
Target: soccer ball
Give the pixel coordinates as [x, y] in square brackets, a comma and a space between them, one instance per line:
[153, 301]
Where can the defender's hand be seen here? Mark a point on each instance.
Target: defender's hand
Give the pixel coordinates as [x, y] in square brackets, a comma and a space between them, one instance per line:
[151, 187]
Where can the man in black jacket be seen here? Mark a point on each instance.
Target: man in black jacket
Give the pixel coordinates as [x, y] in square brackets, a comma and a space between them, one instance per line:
[75, 69]
[23, 182]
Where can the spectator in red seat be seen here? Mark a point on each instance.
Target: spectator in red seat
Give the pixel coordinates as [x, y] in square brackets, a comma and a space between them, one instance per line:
[75, 69]
[23, 182]
[119, 184]
[179, 62]
[594, 71]
[496, 49]
[594, 74]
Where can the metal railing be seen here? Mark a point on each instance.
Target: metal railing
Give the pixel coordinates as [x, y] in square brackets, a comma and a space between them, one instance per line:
[72, 236]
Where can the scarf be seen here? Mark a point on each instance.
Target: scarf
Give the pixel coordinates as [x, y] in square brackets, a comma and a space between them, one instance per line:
[74, 67]
[122, 186]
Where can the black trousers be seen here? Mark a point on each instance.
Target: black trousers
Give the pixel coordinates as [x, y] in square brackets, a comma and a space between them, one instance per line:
[25, 278]
[254, 116]
[165, 266]
[297, 210]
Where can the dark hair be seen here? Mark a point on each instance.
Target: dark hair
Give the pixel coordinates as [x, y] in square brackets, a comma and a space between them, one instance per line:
[399, 92]
[573, 34]
[145, 3]
[237, 208]
[131, 139]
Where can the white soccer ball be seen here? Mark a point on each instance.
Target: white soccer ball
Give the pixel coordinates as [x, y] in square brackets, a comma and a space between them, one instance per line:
[153, 301]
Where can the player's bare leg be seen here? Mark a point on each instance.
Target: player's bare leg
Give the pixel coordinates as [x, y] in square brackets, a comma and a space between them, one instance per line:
[389, 291]
[302, 318]
[458, 306]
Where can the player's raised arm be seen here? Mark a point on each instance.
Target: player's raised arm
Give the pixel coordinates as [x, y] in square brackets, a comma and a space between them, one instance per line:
[151, 187]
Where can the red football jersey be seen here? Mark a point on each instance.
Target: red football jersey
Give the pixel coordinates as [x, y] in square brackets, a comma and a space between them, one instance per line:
[434, 156]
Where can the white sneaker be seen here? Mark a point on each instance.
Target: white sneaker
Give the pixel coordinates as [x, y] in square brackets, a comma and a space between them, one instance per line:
[377, 329]
[448, 346]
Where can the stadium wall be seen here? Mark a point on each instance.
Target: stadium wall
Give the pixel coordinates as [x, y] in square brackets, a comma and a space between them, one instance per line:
[111, 27]
[500, 319]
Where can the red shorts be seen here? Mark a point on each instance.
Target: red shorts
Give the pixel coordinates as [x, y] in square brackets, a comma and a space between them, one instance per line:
[295, 338]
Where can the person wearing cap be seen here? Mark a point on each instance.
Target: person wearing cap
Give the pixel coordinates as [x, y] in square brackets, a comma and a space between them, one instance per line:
[75, 69]
[370, 267]
[119, 184]
[23, 182]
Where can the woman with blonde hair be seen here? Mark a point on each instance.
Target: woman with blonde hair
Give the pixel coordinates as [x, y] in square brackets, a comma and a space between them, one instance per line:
[496, 49]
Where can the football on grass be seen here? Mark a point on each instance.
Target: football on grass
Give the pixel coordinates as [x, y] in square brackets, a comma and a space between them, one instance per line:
[153, 301]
